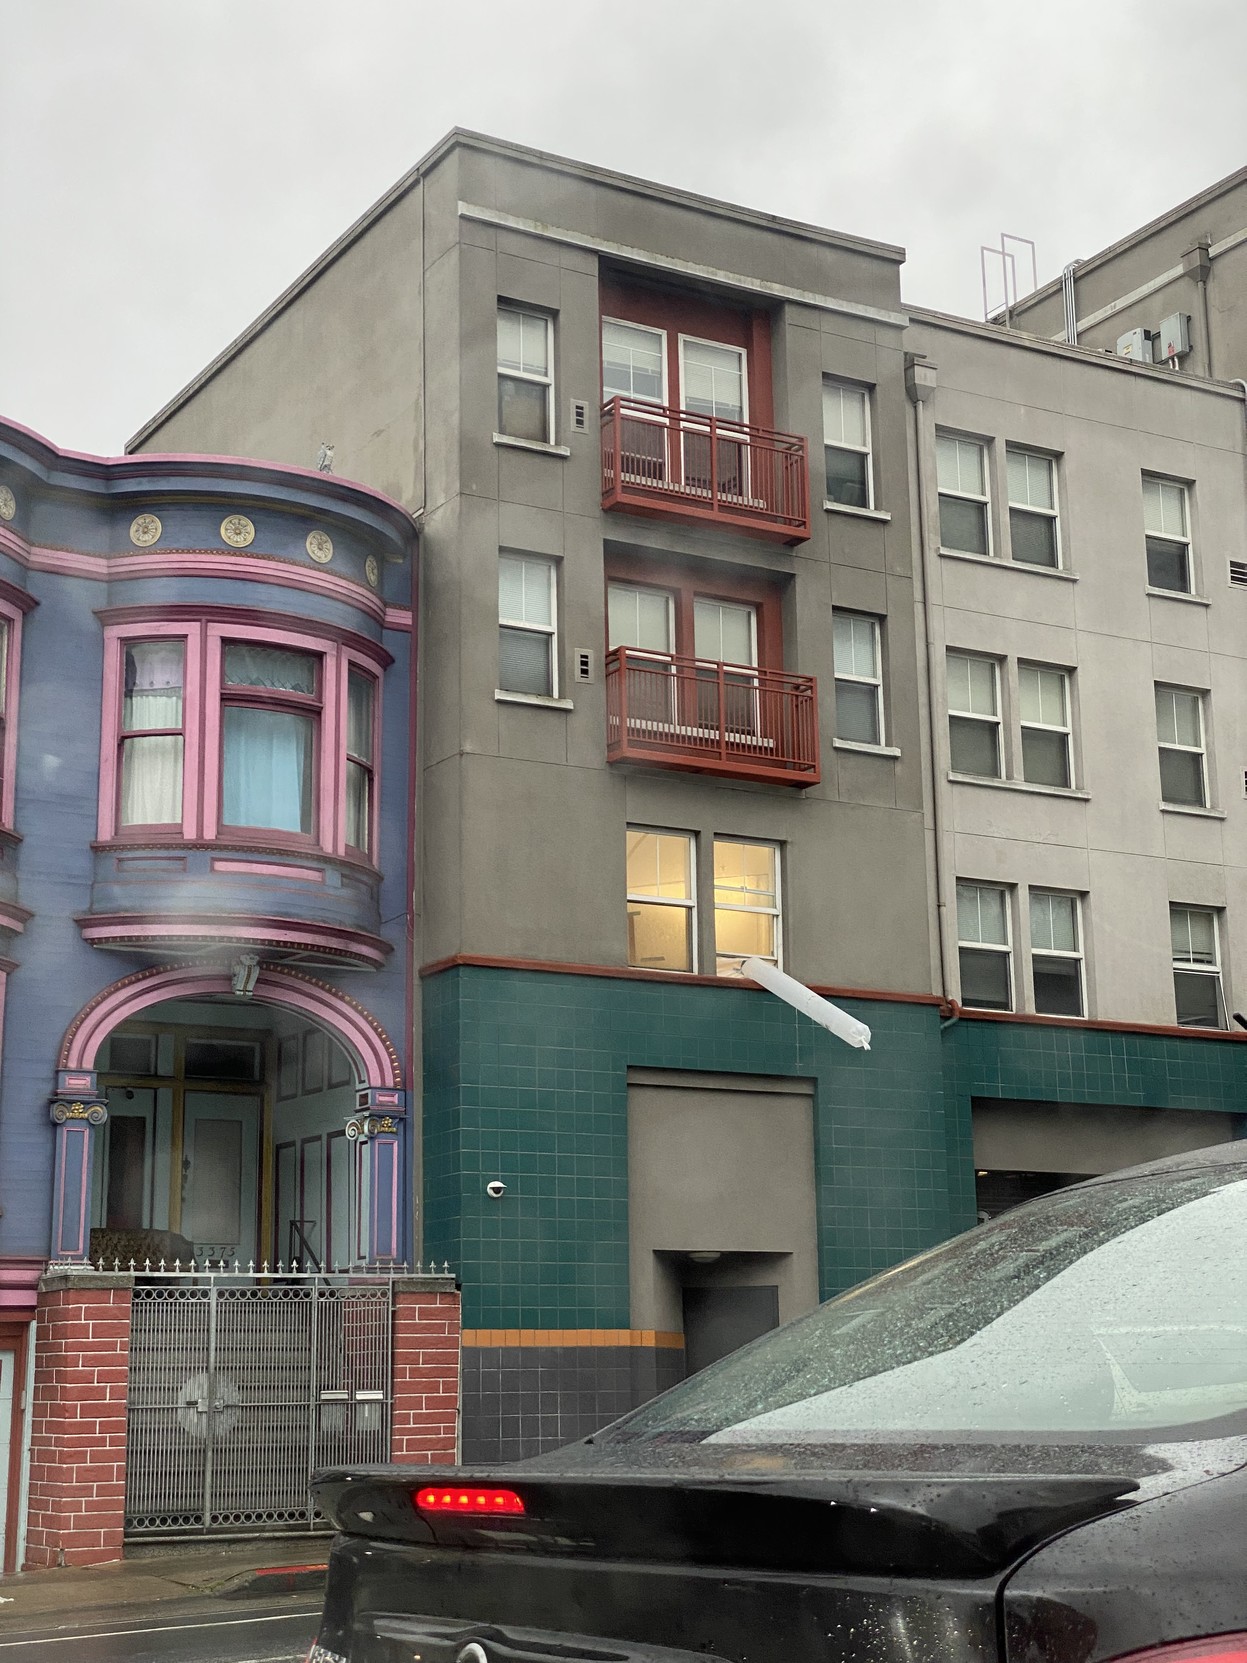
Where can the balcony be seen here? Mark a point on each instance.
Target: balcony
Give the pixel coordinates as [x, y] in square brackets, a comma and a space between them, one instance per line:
[672, 712]
[659, 460]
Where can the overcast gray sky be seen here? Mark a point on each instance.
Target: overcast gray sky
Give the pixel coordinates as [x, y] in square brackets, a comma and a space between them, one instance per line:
[168, 166]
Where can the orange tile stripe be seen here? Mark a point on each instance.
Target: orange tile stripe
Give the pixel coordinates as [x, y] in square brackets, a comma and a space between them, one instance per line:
[573, 1336]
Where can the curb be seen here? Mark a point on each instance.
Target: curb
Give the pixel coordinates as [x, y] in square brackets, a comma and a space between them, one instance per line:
[267, 1580]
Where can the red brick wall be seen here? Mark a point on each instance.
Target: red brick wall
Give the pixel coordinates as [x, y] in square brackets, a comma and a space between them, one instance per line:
[78, 1419]
[425, 1415]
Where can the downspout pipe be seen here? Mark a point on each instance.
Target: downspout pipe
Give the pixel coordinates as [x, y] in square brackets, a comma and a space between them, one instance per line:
[1070, 298]
[920, 384]
[1197, 264]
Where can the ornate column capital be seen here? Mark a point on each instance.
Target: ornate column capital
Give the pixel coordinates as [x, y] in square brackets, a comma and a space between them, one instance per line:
[65, 1109]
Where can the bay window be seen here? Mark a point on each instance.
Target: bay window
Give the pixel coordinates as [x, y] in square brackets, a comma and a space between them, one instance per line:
[243, 732]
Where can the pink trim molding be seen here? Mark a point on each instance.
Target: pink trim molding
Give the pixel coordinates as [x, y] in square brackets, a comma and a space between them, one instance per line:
[141, 929]
[328, 1007]
[267, 869]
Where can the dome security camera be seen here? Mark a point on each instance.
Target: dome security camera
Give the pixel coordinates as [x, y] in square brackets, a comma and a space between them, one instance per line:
[496, 1188]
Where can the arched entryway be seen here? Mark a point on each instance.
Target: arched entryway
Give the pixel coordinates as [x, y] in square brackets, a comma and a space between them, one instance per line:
[228, 1113]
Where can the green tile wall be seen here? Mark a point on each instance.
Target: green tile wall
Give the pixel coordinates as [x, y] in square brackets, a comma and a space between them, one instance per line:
[1078, 1065]
[526, 1079]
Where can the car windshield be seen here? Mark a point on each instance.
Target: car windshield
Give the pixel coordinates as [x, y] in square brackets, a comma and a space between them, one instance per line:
[1116, 1309]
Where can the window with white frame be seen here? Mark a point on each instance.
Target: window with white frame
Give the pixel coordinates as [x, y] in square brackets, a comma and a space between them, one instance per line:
[1056, 953]
[1044, 716]
[634, 362]
[961, 476]
[662, 904]
[974, 715]
[1199, 998]
[1180, 737]
[746, 904]
[846, 445]
[527, 630]
[1034, 525]
[984, 946]
[1167, 534]
[859, 678]
[525, 375]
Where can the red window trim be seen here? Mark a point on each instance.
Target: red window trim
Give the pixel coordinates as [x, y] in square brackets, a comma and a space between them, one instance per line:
[677, 314]
[685, 587]
[203, 702]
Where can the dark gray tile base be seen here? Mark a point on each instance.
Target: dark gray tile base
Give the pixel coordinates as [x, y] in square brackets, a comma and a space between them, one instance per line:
[522, 1400]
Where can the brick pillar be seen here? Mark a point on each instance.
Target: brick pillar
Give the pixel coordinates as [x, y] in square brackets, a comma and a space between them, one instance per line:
[78, 1419]
[425, 1416]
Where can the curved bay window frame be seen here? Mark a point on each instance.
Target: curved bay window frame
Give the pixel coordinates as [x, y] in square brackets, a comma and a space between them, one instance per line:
[205, 699]
[14, 604]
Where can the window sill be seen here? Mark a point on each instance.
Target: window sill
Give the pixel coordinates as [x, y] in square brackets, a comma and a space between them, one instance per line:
[864, 750]
[1178, 595]
[1009, 565]
[1195, 813]
[509, 442]
[857, 513]
[1021, 785]
[541, 700]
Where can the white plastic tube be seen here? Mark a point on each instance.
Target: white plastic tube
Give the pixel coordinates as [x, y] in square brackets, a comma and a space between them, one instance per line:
[810, 1004]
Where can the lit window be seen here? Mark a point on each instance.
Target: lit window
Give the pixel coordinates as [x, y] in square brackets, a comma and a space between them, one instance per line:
[1056, 954]
[269, 720]
[1180, 736]
[984, 947]
[1166, 524]
[361, 691]
[633, 362]
[1199, 998]
[859, 681]
[661, 904]
[525, 375]
[961, 469]
[152, 738]
[1043, 705]
[846, 445]
[974, 715]
[746, 904]
[1034, 531]
[526, 627]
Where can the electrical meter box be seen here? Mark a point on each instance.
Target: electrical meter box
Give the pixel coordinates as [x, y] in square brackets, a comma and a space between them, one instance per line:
[1137, 345]
[1174, 337]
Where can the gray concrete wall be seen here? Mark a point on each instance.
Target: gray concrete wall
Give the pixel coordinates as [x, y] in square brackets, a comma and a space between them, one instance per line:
[1107, 284]
[1061, 1137]
[521, 821]
[726, 1166]
[1110, 839]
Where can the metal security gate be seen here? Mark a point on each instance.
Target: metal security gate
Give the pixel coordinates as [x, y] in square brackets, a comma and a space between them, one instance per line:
[241, 1386]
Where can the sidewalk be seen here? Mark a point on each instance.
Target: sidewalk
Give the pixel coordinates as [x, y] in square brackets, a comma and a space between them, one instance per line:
[176, 1571]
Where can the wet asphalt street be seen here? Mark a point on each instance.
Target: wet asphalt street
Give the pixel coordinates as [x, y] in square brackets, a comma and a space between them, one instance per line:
[205, 1634]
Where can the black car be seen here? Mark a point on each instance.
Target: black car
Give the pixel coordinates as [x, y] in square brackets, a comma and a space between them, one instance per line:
[1026, 1446]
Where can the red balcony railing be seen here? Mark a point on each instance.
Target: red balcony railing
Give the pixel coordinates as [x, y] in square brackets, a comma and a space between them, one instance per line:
[687, 713]
[658, 460]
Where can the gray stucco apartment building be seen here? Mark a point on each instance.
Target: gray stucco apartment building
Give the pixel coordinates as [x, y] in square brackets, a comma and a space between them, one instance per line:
[760, 613]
